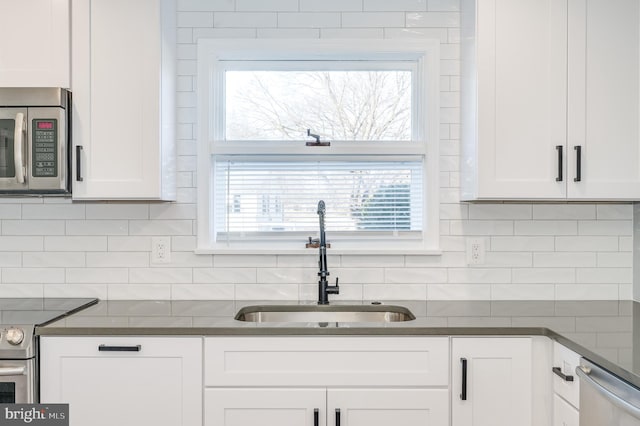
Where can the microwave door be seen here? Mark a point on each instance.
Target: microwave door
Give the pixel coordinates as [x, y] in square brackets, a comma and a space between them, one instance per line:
[13, 137]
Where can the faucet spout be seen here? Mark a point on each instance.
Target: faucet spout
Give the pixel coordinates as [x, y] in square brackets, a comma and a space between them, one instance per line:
[324, 289]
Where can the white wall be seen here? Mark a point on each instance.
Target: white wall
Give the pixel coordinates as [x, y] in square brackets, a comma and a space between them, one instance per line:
[539, 251]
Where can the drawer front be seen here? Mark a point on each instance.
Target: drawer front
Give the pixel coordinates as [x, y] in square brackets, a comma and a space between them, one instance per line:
[564, 414]
[567, 361]
[326, 361]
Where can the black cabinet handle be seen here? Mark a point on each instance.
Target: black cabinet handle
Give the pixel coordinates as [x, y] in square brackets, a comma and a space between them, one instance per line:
[79, 177]
[463, 394]
[316, 415]
[558, 372]
[133, 348]
[559, 149]
[578, 177]
[337, 417]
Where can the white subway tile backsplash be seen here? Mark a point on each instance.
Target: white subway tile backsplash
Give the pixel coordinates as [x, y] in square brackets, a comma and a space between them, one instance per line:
[587, 243]
[544, 275]
[33, 227]
[605, 227]
[443, 5]
[291, 33]
[612, 260]
[433, 19]
[266, 292]
[225, 275]
[21, 290]
[205, 5]
[394, 291]
[53, 211]
[245, 20]
[202, 292]
[500, 211]
[97, 275]
[481, 227]
[586, 291]
[160, 275]
[546, 227]
[479, 275]
[604, 275]
[342, 33]
[415, 275]
[390, 6]
[117, 259]
[76, 290]
[330, 5]
[114, 211]
[10, 211]
[564, 259]
[267, 6]
[286, 275]
[459, 292]
[216, 33]
[97, 227]
[160, 227]
[139, 291]
[564, 211]
[355, 275]
[33, 275]
[614, 211]
[417, 33]
[308, 20]
[372, 19]
[195, 19]
[522, 291]
[522, 243]
[53, 259]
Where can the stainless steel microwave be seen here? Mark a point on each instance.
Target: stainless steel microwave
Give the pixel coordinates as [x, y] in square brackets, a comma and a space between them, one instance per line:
[35, 141]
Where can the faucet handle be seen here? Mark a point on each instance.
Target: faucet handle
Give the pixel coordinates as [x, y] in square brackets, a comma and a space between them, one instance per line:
[333, 289]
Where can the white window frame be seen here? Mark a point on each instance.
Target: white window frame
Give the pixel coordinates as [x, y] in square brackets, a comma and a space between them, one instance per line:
[213, 58]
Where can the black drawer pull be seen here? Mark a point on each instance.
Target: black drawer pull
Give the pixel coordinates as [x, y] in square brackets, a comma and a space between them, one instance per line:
[559, 149]
[558, 372]
[133, 348]
[79, 177]
[337, 417]
[463, 394]
[578, 177]
[316, 415]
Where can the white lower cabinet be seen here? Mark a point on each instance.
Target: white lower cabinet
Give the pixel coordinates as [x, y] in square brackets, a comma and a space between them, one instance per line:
[564, 414]
[350, 381]
[566, 386]
[331, 407]
[491, 381]
[124, 381]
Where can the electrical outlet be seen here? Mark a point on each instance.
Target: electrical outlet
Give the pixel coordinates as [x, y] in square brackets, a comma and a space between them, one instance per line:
[475, 251]
[160, 249]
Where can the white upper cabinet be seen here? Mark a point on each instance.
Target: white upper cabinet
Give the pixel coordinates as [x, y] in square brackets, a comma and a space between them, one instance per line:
[604, 96]
[34, 43]
[123, 84]
[540, 78]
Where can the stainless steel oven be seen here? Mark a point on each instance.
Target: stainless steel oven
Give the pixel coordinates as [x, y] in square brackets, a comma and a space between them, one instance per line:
[34, 141]
[17, 384]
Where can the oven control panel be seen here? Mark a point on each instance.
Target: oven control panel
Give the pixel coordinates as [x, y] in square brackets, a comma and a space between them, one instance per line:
[14, 335]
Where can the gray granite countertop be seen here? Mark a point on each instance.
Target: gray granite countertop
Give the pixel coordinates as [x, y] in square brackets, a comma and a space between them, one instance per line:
[603, 331]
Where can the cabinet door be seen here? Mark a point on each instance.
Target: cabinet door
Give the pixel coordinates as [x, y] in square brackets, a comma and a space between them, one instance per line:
[521, 98]
[604, 95]
[242, 407]
[564, 414]
[498, 382]
[160, 385]
[122, 92]
[383, 407]
[34, 43]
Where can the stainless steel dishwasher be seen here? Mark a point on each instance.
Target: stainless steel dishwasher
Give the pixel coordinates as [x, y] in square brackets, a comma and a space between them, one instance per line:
[605, 399]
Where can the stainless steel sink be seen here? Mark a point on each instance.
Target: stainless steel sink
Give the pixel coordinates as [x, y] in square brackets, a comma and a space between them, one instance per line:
[324, 313]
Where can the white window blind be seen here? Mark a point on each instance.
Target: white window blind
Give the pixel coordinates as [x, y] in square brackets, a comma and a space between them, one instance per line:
[280, 197]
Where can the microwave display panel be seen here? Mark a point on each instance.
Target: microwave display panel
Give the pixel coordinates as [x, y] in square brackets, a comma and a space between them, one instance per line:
[45, 148]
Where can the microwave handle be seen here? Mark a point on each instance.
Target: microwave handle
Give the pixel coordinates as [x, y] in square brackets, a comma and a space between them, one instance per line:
[18, 144]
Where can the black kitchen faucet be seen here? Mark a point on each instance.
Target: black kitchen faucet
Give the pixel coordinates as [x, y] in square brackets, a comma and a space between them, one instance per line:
[324, 289]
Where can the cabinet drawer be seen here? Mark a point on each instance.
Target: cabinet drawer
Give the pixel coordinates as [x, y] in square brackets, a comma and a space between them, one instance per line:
[564, 414]
[567, 361]
[326, 361]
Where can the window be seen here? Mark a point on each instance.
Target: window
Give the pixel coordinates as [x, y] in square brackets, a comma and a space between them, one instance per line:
[374, 108]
